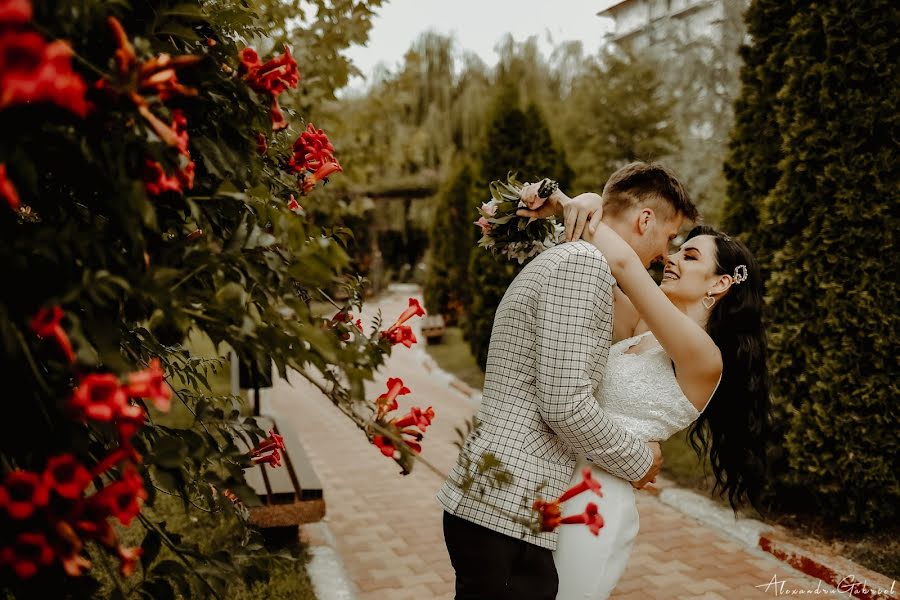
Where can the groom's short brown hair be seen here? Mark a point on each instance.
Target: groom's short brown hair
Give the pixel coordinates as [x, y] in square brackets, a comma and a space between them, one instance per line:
[647, 184]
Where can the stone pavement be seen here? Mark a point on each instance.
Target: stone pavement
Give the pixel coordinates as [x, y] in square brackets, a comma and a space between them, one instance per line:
[388, 527]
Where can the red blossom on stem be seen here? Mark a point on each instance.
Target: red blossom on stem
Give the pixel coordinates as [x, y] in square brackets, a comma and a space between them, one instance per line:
[587, 483]
[262, 143]
[273, 459]
[47, 324]
[33, 71]
[273, 442]
[272, 77]
[98, 397]
[150, 383]
[401, 335]
[66, 476]
[128, 558]
[22, 493]
[413, 310]
[312, 150]
[15, 12]
[120, 499]
[293, 205]
[321, 174]
[8, 192]
[590, 517]
[416, 417]
[549, 513]
[28, 553]
[387, 402]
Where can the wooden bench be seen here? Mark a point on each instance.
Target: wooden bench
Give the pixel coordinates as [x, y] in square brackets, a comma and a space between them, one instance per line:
[433, 328]
[290, 494]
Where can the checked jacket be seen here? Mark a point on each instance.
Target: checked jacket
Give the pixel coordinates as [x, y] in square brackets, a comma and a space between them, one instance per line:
[549, 346]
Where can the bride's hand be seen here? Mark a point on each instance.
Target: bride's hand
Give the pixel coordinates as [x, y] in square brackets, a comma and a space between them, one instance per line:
[580, 211]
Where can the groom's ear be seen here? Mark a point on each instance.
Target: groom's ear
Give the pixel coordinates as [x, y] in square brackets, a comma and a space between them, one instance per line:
[645, 219]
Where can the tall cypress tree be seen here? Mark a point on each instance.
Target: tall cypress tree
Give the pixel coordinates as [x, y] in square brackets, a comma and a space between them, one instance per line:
[452, 240]
[516, 141]
[752, 166]
[834, 274]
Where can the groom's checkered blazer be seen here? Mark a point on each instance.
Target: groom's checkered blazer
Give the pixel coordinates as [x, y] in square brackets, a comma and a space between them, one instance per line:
[549, 347]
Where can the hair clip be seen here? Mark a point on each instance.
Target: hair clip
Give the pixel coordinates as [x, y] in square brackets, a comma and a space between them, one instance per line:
[740, 274]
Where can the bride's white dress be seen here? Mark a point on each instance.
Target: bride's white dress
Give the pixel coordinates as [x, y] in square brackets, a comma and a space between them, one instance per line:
[640, 392]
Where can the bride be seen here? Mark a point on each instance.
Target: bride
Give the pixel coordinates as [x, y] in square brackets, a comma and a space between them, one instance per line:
[693, 355]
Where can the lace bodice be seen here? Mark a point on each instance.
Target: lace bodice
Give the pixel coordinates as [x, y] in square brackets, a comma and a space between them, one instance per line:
[640, 392]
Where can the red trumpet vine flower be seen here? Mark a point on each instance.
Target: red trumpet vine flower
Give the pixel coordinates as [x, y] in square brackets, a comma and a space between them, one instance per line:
[294, 206]
[273, 459]
[549, 512]
[150, 383]
[33, 71]
[272, 77]
[416, 417]
[98, 397]
[47, 324]
[273, 442]
[121, 499]
[401, 335]
[68, 548]
[385, 445]
[15, 12]
[22, 493]
[28, 553]
[413, 310]
[590, 517]
[312, 150]
[587, 483]
[158, 182]
[66, 476]
[388, 401]
[8, 192]
[128, 558]
[321, 174]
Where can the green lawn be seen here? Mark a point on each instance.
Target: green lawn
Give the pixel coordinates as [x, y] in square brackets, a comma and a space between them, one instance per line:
[453, 355]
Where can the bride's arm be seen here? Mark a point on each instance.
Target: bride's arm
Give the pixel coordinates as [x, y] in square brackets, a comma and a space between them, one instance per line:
[697, 358]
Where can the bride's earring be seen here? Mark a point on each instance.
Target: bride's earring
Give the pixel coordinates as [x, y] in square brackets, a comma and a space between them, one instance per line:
[708, 301]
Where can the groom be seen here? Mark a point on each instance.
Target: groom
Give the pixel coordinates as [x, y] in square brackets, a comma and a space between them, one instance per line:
[549, 346]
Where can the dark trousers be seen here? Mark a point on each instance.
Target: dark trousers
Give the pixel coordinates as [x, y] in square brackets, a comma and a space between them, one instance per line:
[493, 566]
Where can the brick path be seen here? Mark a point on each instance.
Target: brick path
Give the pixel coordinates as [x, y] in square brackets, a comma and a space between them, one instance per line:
[388, 527]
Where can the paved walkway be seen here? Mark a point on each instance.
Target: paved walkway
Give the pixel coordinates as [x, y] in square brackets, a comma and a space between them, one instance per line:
[388, 527]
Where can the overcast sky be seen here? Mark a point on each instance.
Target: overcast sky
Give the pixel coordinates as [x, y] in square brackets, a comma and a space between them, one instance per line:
[478, 25]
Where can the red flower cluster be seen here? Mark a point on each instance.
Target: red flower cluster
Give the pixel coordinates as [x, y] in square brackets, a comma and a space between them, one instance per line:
[156, 179]
[33, 71]
[398, 333]
[550, 513]
[271, 445]
[8, 191]
[47, 324]
[102, 397]
[272, 77]
[51, 517]
[159, 78]
[310, 180]
[412, 425]
[312, 151]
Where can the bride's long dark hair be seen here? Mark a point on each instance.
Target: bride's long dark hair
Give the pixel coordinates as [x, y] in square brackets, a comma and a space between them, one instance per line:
[732, 429]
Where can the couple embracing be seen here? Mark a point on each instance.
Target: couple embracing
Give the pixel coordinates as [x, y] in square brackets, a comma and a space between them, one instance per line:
[591, 365]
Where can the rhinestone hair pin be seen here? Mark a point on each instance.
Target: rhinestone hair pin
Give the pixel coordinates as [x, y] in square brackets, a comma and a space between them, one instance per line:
[740, 274]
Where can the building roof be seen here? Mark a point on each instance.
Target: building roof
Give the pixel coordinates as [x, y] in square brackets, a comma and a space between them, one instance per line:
[610, 6]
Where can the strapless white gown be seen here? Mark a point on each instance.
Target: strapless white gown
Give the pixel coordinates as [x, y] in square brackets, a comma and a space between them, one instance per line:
[639, 392]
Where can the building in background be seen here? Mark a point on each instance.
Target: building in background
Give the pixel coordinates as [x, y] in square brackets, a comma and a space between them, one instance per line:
[640, 24]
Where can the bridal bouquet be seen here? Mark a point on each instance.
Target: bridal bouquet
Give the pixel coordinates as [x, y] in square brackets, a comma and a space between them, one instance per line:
[505, 233]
